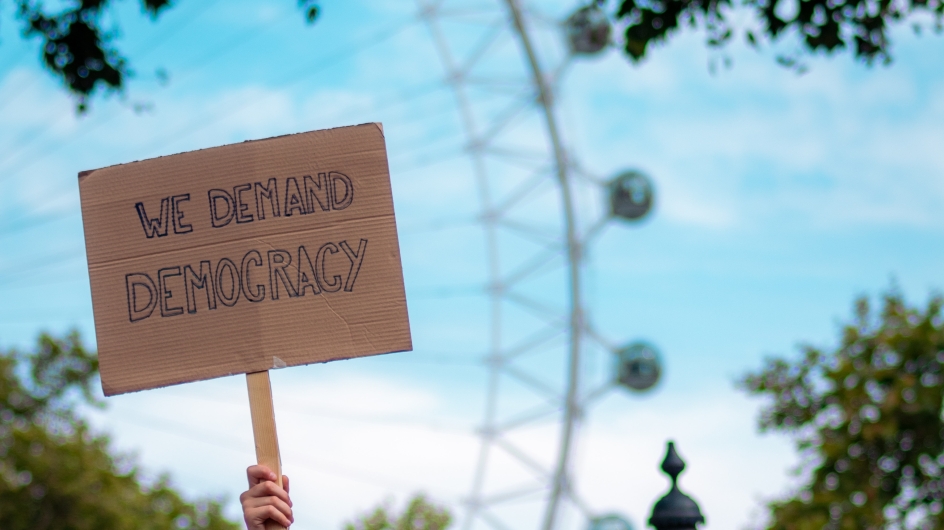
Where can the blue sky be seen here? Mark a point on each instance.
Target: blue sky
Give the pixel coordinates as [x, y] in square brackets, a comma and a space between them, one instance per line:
[781, 198]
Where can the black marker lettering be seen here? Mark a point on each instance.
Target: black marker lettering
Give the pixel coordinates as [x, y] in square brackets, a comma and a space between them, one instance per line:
[180, 227]
[254, 257]
[293, 197]
[335, 284]
[306, 273]
[157, 226]
[269, 191]
[241, 207]
[203, 280]
[223, 266]
[217, 218]
[137, 308]
[311, 195]
[279, 260]
[356, 259]
[166, 294]
[348, 197]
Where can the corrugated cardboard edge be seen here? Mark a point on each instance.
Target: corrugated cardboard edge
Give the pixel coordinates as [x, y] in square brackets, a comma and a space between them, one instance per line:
[277, 363]
[112, 390]
[86, 173]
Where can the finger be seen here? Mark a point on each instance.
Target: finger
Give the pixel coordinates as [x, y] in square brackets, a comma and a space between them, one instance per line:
[268, 489]
[279, 504]
[274, 503]
[252, 520]
[285, 483]
[259, 473]
[256, 517]
[252, 524]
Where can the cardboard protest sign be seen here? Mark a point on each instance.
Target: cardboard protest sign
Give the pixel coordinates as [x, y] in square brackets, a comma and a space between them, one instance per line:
[243, 258]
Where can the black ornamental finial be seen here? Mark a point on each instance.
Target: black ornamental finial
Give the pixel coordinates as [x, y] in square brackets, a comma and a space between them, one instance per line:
[675, 511]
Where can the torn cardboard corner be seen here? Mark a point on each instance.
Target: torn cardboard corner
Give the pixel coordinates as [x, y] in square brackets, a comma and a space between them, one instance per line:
[243, 258]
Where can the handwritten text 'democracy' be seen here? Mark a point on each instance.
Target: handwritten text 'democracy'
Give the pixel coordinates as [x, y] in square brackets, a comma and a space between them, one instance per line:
[255, 275]
[174, 289]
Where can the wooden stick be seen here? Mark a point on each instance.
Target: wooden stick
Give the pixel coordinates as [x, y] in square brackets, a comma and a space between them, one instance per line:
[263, 428]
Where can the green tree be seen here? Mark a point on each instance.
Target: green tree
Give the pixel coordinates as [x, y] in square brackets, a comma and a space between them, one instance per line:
[821, 26]
[77, 50]
[55, 472]
[420, 514]
[867, 421]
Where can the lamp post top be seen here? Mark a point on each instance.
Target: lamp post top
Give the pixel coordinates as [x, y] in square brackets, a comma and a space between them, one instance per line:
[675, 511]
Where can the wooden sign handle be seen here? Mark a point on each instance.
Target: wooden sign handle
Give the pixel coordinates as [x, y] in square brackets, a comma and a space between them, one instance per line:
[263, 428]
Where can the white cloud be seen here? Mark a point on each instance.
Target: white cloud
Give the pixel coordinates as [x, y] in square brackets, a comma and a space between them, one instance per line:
[866, 136]
[350, 440]
[750, 150]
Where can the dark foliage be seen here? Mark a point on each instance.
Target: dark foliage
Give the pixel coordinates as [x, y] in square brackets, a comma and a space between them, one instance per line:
[81, 53]
[55, 474]
[821, 25]
[420, 514]
[310, 9]
[77, 50]
[867, 419]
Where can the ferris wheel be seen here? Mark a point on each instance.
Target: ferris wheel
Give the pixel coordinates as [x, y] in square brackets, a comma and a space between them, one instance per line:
[540, 212]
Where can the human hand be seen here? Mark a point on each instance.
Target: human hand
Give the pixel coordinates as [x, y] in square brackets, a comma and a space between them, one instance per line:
[265, 499]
